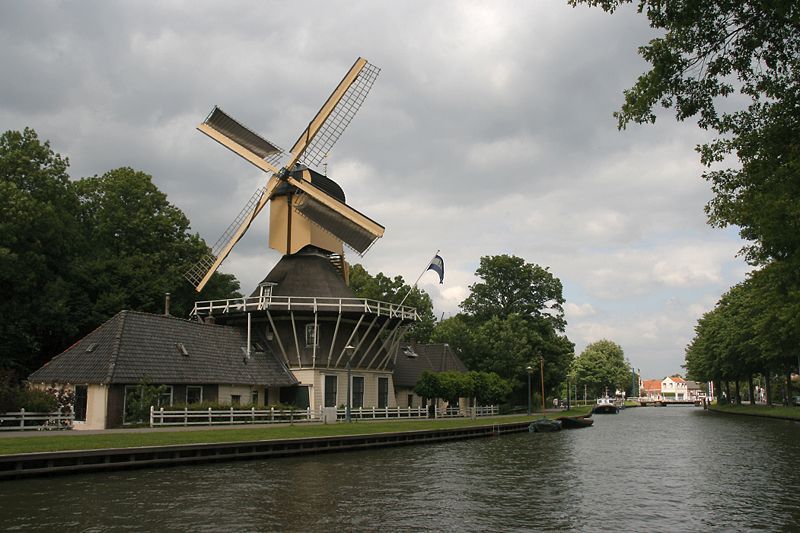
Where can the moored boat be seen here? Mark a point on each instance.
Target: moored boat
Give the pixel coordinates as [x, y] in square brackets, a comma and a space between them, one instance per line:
[544, 425]
[575, 422]
[605, 406]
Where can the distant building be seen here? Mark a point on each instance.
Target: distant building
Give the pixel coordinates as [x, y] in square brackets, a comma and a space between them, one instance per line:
[652, 389]
[674, 388]
[695, 392]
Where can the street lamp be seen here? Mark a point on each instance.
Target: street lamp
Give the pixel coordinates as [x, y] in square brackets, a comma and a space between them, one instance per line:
[349, 350]
[529, 369]
[633, 381]
[541, 366]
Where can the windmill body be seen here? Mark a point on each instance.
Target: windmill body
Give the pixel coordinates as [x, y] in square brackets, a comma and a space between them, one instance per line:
[303, 311]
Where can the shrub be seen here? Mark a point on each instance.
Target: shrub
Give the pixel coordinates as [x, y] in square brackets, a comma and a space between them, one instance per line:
[35, 400]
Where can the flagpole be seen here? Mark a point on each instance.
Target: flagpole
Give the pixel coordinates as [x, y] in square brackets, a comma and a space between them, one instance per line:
[427, 266]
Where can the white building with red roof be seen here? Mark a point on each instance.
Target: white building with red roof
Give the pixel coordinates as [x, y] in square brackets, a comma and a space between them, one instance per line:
[674, 388]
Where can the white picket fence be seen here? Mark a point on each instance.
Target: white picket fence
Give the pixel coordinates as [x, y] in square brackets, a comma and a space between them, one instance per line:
[184, 417]
[211, 417]
[33, 421]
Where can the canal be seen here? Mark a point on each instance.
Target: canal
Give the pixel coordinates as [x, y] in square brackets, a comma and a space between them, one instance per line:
[654, 469]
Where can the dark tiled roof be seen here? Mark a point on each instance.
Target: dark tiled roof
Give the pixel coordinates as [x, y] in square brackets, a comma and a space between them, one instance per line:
[307, 273]
[430, 357]
[133, 346]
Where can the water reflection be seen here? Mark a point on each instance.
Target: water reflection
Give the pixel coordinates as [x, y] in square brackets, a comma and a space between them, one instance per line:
[655, 469]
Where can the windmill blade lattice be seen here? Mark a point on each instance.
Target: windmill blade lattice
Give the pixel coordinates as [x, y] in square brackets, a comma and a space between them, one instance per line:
[198, 271]
[341, 116]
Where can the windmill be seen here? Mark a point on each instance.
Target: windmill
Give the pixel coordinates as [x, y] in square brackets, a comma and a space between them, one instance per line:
[326, 221]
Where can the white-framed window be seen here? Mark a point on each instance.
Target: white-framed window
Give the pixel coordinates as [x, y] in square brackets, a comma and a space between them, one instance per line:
[357, 393]
[330, 390]
[383, 392]
[312, 331]
[236, 399]
[165, 398]
[254, 397]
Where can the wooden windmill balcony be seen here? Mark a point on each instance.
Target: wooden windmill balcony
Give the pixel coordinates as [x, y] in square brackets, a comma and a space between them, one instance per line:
[303, 303]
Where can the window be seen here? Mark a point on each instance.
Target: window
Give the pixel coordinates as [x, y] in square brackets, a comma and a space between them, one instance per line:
[358, 392]
[295, 395]
[194, 394]
[81, 394]
[330, 391]
[411, 400]
[383, 392]
[236, 399]
[254, 397]
[265, 289]
[165, 397]
[311, 335]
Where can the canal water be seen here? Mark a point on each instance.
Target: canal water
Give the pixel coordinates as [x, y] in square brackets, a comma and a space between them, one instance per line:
[645, 469]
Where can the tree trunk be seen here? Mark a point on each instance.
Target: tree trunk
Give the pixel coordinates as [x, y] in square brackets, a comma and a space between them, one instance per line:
[738, 396]
[768, 387]
[718, 390]
[728, 391]
[751, 389]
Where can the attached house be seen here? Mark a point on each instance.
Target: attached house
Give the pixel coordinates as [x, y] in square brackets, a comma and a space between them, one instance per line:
[652, 389]
[674, 388]
[695, 392]
[414, 359]
[195, 361]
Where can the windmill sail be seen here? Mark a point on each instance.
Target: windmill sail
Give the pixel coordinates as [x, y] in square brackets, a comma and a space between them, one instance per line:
[201, 272]
[334, 219]
[343, 112]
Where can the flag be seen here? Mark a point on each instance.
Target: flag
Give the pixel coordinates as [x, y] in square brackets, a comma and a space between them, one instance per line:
[437, 265]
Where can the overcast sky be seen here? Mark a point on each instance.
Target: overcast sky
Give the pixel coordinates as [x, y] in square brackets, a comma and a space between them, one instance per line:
[489, 131]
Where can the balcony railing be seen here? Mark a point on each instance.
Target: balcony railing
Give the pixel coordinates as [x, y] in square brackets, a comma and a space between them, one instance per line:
[304, 303]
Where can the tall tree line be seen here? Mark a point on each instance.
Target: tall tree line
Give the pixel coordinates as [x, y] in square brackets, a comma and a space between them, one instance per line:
[734, 66]
[75, 252]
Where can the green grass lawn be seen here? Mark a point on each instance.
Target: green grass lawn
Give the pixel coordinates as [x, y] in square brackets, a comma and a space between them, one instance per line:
[162, 437]
[761, 410]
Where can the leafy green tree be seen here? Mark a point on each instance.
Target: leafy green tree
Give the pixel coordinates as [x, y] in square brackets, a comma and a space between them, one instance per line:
[72, 254]
[39, 239]
[428, 385]
[511, 317]
[735, 65]
[457, 331]
[509, 286]
[488, 388]
[602, 366]
[393, 290]
[752, 330]
[141, 246]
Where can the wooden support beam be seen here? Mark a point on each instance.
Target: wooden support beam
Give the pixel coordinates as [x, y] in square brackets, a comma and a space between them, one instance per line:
[335, 333]
[296, 343]
[374, 340]
[277, 337]
[355, 329]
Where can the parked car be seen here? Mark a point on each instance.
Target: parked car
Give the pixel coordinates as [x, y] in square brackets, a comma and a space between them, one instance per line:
[796, 401]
